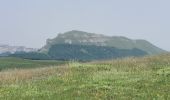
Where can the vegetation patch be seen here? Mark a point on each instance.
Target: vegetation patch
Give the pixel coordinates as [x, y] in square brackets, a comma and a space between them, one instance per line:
[125, 79]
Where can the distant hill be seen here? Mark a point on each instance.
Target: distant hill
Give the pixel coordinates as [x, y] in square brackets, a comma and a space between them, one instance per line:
[90, 52]
[84, 38]
[81, 53]
[78, 45]
[5, 50]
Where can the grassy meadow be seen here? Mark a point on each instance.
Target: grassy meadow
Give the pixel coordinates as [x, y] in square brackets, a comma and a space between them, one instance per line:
[145, 78]
[7, 63]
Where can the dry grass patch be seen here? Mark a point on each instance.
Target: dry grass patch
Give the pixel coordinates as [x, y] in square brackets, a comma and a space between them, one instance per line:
[18, 75]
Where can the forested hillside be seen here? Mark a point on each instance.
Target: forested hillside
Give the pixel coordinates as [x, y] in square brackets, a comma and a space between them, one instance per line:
[81, 53]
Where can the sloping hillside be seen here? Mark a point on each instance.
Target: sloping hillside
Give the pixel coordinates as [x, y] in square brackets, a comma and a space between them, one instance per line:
[84, 38]
[81, 53]
[90, 52]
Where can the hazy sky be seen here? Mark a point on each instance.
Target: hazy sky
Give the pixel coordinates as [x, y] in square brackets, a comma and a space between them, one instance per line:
[31, 22]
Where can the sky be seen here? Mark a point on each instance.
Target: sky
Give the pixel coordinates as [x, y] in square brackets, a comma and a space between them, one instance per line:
[30, 22]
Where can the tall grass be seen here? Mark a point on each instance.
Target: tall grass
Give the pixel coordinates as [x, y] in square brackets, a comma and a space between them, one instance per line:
[146, 78]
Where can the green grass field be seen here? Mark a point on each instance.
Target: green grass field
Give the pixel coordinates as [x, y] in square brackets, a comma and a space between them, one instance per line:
[146, 78]
[17, 63]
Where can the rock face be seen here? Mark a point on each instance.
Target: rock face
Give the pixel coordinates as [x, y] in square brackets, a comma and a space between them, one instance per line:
[84, 38]
[6, 49]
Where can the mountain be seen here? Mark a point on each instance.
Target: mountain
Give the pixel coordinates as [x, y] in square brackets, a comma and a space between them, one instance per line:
[78, 45]
[6, 49]
[83, 38]
[90, 52]
[81, 53]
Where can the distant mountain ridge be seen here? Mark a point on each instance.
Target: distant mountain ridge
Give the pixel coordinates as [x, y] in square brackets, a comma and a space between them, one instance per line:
[6, 49]
[84, 38]
[83, 46]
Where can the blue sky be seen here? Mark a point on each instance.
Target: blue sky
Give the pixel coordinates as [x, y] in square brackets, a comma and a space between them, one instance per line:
[31, 22]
